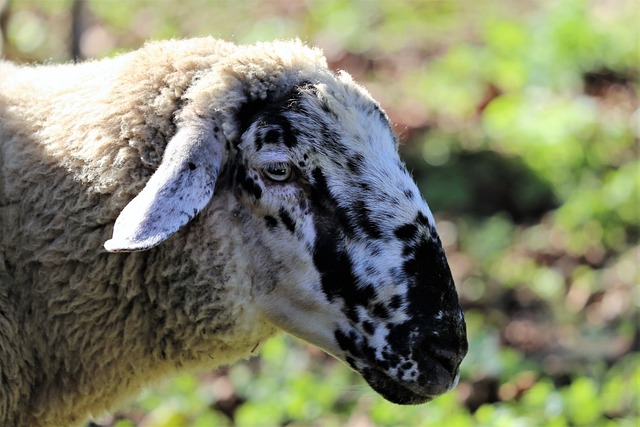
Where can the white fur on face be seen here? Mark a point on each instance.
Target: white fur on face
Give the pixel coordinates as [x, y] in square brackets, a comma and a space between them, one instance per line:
[360, 268]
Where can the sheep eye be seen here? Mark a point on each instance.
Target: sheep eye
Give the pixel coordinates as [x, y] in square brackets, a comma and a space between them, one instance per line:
[277, 172]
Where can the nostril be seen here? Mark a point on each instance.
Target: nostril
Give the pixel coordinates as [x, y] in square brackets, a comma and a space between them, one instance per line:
[447, 353]
[448, 359]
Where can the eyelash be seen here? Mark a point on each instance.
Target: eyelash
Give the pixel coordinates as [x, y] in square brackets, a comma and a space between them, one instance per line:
[280, 172]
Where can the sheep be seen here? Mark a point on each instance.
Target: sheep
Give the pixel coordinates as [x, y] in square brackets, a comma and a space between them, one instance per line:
[171, 208]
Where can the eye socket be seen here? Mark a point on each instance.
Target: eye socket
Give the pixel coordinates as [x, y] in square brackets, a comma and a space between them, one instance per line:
[277, 172]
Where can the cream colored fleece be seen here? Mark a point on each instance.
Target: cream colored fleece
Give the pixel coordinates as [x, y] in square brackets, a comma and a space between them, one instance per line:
[82, 330]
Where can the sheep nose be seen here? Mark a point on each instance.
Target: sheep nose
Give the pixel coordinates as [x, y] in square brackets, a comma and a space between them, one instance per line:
[447, 349]
[442, 365]
[449, 360]
[453, 351]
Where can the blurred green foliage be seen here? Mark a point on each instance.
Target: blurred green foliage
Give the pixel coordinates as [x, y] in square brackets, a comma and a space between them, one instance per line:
[520, 121]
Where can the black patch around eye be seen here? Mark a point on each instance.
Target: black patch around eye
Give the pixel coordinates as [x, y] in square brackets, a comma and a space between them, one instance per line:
[248, 113]
[271, 222]
[246, 182]
[281, 131]
[321, 189]
[268, 109]
[192, 166]
[287, 220]
[289, 134]
[272, 137]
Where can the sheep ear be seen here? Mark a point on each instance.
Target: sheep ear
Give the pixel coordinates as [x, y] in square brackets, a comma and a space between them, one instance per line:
[180, 188]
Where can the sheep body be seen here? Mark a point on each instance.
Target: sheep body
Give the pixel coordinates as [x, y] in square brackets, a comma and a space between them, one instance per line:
[85, 146]
[76, 146]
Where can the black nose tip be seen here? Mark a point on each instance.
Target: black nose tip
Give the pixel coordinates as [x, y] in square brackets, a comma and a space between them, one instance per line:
[447, 349]
[441, 370]
[448, 359]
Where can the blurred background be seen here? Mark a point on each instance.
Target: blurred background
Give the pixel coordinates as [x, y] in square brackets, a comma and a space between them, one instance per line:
[520, 121]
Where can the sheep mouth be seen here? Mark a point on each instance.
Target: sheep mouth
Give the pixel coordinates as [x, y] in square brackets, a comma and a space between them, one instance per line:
[411, 393]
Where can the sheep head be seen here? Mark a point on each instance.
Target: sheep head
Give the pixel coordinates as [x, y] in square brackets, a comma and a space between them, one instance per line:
[345, 249]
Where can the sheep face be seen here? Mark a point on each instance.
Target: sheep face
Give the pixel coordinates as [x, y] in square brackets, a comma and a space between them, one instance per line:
[343, 250]
[351, 259]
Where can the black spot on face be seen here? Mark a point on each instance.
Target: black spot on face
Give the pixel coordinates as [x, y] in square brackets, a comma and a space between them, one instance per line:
[380, 311]
[333, 225]
[391, 358]
[367, 292]
[269, 111]
[395, 302]
[350, 360]
[271, 222]
[192, 166]
[422, 219]
[335, 267]
[248, 113]
[352, 314]
[368, 327]
[354, 166]
[363, 218]
[406, 366]
[247, 183]
[364, 186]
[347, 343]
[347, 218]
[272, 137]
[406, 232]
[274, 127]
[427, 264]
[408, 194]
[329, 256]
[287, 220]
